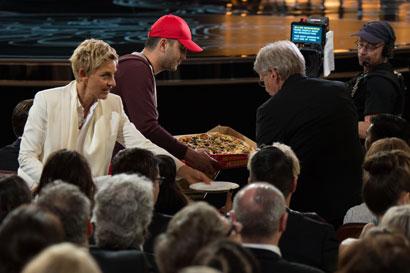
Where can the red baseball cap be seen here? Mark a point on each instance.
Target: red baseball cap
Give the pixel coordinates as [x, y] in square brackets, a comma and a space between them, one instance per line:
[174, 27]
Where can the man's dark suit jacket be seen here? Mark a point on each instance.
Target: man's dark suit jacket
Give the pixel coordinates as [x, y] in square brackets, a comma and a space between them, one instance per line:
[9, 156]
[318, 119]
[158, 225]
[271, 262]
[310, 241]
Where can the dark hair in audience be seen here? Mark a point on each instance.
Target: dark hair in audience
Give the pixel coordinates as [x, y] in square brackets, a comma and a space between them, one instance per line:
[378, 252]
[388, 125]
[171, 199]
[71, 167]
[14, 192]
[20, 115]
[228, 257]
[271, 165]
[193, 227]
[71, 206]
[24, 233]
[135, 160]
[386, 177]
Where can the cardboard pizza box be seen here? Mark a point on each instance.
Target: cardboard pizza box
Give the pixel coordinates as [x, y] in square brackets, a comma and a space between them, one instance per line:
[230, 161]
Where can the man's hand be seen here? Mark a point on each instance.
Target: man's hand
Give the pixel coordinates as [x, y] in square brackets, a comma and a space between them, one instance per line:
[192, 175]
[200, 160]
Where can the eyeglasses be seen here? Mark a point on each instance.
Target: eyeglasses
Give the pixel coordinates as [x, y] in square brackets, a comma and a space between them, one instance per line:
[261, 83]
[367, 46]
[160, 180]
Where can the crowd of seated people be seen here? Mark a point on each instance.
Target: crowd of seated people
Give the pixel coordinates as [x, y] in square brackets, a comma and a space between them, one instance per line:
[114, 219]
[67, 212]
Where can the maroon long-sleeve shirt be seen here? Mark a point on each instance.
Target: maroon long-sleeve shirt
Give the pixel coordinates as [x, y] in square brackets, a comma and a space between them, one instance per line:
[137, 89]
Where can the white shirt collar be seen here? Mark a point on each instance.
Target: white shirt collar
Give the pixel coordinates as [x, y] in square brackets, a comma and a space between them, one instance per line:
[80, 111]
[272, 248]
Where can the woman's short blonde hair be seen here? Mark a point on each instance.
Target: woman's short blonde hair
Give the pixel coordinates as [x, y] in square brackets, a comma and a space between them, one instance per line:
[90, 55]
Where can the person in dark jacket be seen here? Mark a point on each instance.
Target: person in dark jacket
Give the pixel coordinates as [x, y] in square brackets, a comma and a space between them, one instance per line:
[307, 238]
[260, 208]
[318, 120]
[378, 89]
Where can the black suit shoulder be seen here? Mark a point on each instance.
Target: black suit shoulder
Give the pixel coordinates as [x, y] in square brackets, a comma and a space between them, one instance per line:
[272, 262]
[158, 225]
[125, 261]
[9, 156]
[309, 240]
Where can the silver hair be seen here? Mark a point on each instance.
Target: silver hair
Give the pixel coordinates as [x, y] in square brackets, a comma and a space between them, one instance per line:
[282, 56]
[71, 206]
[287, 150]
[123, 210]
[397, 219]
[259, 207]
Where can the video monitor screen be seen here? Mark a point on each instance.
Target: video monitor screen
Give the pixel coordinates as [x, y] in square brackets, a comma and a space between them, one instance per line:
[305, 33]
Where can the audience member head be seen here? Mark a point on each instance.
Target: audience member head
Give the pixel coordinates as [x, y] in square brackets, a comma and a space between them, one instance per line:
[171, 199]
[378, 252]
[287, 150]
[270, 164]
[388, 144]
[379, 38]
[261, 209]
[387, 125]
[193, 227]
[123, 211]
[62, 258]
[72, 208]
[386, 180]
[20, 115]
[139, 161]
[397, 219]
[71, 167]
[199, 269]
[228, 257]
[24, 233]
[90, 55]
[282, 56]
[13, 193]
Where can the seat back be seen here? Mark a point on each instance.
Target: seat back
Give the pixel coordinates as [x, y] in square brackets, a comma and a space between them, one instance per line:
[124, 261]
[349, 230]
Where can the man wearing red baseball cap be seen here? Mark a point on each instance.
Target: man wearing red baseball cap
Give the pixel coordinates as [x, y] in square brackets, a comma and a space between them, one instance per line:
[377, 89]
[169, 38]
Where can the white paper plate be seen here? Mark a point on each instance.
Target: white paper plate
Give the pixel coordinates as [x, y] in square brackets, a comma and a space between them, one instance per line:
[215, 186]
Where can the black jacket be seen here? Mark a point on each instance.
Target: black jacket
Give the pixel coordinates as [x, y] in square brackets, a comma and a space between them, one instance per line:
[271, 262]
[318, 120]
[309, 240]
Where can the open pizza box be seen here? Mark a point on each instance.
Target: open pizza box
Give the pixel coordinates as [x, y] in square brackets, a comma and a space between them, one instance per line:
[230, 161]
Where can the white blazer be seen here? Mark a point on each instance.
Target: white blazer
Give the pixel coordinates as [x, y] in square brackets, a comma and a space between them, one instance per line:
[52, 124]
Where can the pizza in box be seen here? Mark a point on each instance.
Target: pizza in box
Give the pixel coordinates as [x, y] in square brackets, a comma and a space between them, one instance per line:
[230, 151]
